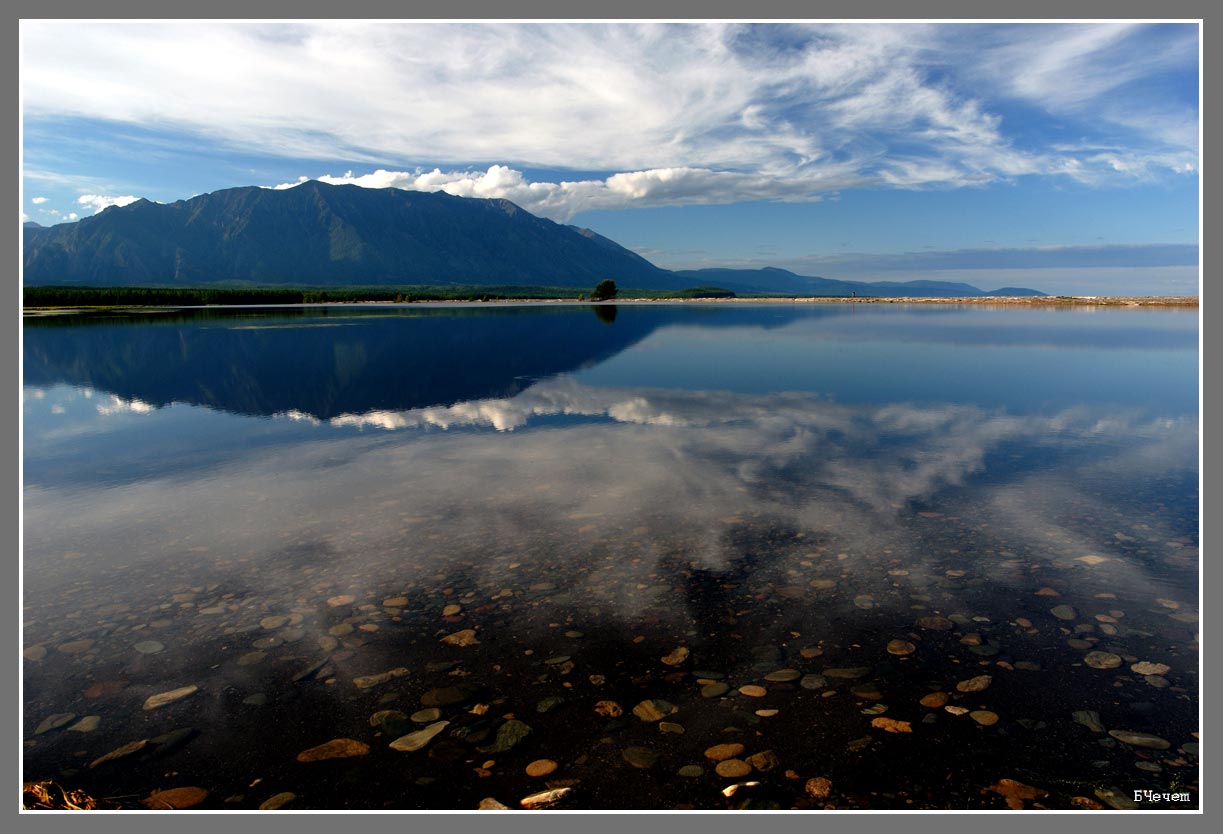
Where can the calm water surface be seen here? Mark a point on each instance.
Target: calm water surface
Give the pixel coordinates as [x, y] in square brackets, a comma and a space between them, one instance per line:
[798, 529]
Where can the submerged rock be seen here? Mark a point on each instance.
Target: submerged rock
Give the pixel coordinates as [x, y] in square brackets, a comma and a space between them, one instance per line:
[1102, 660]
[1137, 739]
[415, 741]
[977, 684]
[540, 767]
[508, 735]
[368, 681]
[174, 799]
[676, 656]
[654, 709]
[721, 752]
[337, 748]
[54, 722]
[161, 700]
[120, 752]
[544, 799]
[733, 768]
[1089, 719]
[278, 801]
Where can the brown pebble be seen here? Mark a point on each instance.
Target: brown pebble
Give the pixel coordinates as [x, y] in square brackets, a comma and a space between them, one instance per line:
[540, 767]
[338, 748]
[818, 787]
[733, 768]
[721, 752]
[891, 725]
[174, 799]
[609, 709]
[977, 684]
[935, 700]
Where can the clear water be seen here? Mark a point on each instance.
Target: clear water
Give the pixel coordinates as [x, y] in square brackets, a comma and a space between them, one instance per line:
[771, 487]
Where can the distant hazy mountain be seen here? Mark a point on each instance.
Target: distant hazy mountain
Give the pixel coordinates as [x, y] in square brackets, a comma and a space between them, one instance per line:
[771, 279]
[32, 224]
[319, 234]
[316, 234]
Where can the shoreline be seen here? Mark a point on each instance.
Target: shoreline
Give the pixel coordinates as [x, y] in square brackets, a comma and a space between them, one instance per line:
[1009, 301]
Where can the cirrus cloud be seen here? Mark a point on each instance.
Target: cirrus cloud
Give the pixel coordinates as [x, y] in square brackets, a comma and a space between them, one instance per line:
[665, 113]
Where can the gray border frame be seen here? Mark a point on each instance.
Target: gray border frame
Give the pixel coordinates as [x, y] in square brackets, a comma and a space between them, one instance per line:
[550, 9]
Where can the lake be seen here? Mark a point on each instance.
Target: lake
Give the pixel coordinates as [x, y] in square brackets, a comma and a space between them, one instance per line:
[857, 556]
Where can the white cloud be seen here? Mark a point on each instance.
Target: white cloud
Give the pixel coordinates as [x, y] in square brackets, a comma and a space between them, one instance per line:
[24, 217]
[561, 200]
[685, 112]
[38, 201]
[72, 215]
[97, 202]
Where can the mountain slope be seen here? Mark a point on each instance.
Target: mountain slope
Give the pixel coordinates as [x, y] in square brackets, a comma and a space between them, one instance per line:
[316, 233]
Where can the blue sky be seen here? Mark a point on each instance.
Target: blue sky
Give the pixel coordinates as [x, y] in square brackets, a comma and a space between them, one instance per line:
[1062, 157]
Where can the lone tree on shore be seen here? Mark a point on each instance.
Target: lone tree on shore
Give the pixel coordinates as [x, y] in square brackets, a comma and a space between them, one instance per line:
[604, 290]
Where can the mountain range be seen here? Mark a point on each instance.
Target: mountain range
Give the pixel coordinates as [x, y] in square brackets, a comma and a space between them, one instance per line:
[316, 234]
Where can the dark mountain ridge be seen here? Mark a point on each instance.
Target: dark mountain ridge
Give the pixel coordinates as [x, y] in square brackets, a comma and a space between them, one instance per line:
[316, 234]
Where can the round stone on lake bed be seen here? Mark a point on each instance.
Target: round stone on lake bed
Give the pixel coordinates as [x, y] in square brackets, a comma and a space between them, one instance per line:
[984, 717]
[676, 656]
[1102, 660]
[977, 684]
[751, 690]
[1148, 668]
[174, 799]
[654, 709]
[733, 768]
[608, 709]
[813, 682]
[900, 647]
[783, 675]
[540, 767]
[714, 690]
[149, 647]
[935, 700]
[935, 623]
[1063, 612]
[339, 748]
[1140, 739]
[691, 771]
[722, 752]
